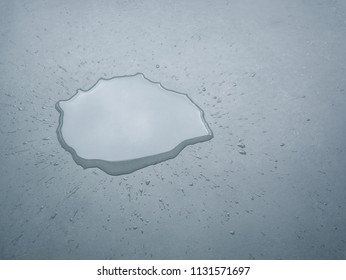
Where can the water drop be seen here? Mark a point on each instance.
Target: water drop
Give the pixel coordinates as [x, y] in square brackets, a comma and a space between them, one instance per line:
[126, 123]
[241, 145]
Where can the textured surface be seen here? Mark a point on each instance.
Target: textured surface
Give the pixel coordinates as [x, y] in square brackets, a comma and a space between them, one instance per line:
[271, 73]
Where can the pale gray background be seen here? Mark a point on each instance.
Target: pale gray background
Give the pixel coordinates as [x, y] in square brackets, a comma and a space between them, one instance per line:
[273, 73]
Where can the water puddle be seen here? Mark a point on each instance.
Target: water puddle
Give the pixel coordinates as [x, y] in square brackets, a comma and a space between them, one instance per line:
[126, 123]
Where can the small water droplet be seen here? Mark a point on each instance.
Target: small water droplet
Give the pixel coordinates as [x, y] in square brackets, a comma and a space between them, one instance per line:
[241, 145]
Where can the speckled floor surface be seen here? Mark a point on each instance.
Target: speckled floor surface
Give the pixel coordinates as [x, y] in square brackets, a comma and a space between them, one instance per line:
[269, 73]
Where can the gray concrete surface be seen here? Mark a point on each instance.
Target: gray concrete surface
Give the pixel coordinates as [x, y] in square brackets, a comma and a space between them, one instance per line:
[271, 73]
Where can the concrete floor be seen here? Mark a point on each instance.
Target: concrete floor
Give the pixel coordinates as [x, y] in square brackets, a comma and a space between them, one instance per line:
[271, 73]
